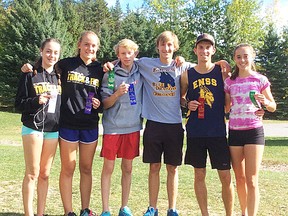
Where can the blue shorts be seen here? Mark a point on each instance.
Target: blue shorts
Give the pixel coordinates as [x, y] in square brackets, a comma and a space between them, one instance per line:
[46, 135]
[83, 136]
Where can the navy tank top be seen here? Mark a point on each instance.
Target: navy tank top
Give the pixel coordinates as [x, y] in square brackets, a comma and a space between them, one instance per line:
[211, 87]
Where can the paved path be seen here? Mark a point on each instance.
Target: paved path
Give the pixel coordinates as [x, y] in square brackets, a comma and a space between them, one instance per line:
[276, 129]
[271, 129]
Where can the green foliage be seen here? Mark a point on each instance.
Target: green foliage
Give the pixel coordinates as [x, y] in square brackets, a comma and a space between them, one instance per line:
[244, 16]
[273, 60]
[25, 24]
[210, 17]
[137, 28]
[93, 14]
[171, 15]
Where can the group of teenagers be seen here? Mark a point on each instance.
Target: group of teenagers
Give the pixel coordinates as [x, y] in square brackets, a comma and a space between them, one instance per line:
[61, 101]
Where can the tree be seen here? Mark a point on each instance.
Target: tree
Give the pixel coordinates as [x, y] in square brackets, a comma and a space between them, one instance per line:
[26, 24]
[171, 15]
[211, 17]
[93, 14]
[273, 63]
[75, 25]
[135, 27]
[244, 16]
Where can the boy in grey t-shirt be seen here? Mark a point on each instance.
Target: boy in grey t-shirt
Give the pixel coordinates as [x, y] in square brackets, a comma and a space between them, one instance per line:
[163, 132]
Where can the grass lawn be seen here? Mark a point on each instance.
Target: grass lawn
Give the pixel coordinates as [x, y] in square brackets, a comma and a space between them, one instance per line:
[273, 181]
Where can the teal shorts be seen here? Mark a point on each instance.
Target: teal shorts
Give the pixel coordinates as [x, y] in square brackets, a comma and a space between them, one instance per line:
[46, 135]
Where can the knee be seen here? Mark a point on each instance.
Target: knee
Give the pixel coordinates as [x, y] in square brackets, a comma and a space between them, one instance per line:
[86, 169]
[172, 170]
[32, 173]
[252, 183]
[68, 169]
[44, 174]
[199, 175]
[226, 179]
[126, 170]
[32, 176]
[107, 169]
[240, 180]
[155, 168]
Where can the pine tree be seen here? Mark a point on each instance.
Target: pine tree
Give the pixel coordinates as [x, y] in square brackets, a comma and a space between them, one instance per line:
[273, 63]
[26, 24]
[93, 14]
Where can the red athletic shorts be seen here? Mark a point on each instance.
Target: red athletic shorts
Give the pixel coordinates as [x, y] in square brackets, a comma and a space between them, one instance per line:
[121, 146]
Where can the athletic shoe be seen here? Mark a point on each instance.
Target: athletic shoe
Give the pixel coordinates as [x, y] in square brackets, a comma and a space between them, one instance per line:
[71, 214]
[151, 212]
[106, 213]
[125, 212]
[171, 212]
[87, 212]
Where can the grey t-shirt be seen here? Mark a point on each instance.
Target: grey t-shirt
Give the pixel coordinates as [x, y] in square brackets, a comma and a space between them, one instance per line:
[161, 93]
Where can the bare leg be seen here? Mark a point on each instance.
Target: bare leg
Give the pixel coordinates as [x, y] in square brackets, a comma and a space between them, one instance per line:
[227, 191]
[86, 156]
[32, 146]
[253, 158]
[47, 157]
[126, 179]
[201, 190]
[172, 185]
[238, 163]
[107, 170]
[68, 153]
[154, 183]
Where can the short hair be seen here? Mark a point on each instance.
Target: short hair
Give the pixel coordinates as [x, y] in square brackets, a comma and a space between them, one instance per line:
[167, 36]
[127, 43]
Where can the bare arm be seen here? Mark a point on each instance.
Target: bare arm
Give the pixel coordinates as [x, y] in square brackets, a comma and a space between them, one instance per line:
[227, 103]
[109, 66]
[191, 105]
[225, 68]
[183, 88]
[111, 100]
[266, 98]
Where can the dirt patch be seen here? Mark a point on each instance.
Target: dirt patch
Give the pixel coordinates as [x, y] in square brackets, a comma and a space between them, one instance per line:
[10, 143]
[275, 167]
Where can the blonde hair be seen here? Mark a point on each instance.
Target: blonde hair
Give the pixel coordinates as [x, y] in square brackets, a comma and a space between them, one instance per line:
[168, 36]
[86, 33]
[235, 74]
[126, 43]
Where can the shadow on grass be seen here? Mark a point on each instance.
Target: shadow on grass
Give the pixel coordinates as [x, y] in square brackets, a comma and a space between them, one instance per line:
[10, 214]
[16, 214]
[280, 141]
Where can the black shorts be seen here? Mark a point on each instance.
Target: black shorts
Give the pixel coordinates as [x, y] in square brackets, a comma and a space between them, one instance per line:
[242, 137]
[161, 138]
[197, 148]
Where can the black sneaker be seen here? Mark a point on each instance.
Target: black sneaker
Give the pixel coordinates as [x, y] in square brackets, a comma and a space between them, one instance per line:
[71, 214]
